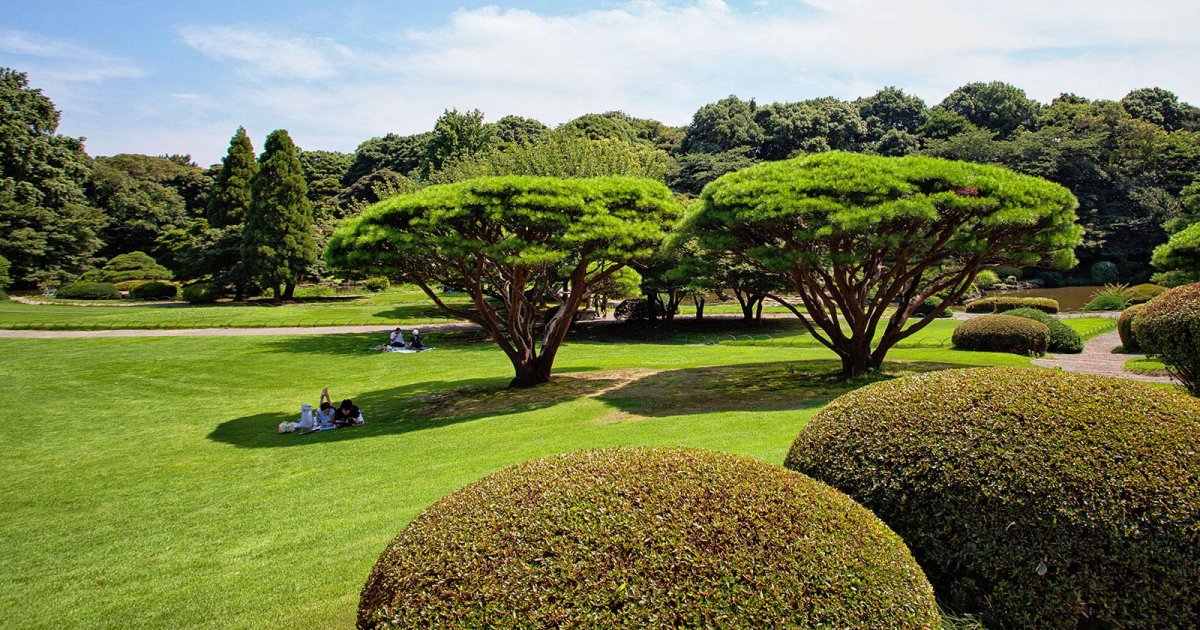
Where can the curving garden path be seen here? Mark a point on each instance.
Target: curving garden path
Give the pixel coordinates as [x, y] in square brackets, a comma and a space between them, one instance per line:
[1098, 358]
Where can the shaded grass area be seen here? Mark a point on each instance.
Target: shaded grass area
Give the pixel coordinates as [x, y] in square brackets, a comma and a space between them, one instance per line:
[400, 307]
[150, 487]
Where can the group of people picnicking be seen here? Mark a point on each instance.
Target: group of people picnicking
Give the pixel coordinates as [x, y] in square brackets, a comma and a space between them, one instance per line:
[325, 416]
[415, 341]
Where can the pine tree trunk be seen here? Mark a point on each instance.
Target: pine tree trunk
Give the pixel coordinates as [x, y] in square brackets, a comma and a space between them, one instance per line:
[289, 290]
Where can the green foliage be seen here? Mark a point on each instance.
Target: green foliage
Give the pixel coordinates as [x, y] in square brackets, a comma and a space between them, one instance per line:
[809, 127]
[5, 279]
[457, 136]
[986, 279]
[1104, 272]
[898, 143]
[1181, 253]
[694, 171]
[1125, 328]
[638, 310]
[510, 239]
[929, 306]
[996, 106]
[560, 155]
[891, 110]
[154, 290]
[134, 266]
[1000, 304]
[277, 241]
[201, 293]
[324, 172]
[1063, 338]
[400, 154]
[1162, 108]
[1169, 326]
[941, 124]
[519, 130]
[610, 126]
[121, 286]
[229, 201]
[640, 536]
[1113, 297]
[1028, 496]
[1142, 293]
[376, 284]
[1004, 271]
[725, 125]
[137, 193]
[88, 291]
[1002, 333]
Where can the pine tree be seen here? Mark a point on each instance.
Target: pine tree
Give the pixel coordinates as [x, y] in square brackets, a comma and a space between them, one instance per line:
[229, 200]
[278, 245]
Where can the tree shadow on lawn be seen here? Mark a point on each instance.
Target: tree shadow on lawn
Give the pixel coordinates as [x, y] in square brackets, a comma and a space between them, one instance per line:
[361, 344]
[632, 393]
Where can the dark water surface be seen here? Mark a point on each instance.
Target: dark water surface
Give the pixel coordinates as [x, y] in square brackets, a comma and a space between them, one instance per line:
[1070, 299]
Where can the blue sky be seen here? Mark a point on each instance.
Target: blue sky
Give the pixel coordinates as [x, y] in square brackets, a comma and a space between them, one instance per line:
[163, 77]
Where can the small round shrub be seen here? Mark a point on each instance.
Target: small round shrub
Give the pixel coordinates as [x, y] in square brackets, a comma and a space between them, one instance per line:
[1142, 293]
[986, 279]
[999, 304]
[1104, 272]
[89, 291]
[1063, 338]
[377, 284]
[201, 293]
[1113, 297]
[1169, 326]
[154, 290]
[926, 307]
[1002, 333]
[1034, 498]
[1125, 328]
[637, 537]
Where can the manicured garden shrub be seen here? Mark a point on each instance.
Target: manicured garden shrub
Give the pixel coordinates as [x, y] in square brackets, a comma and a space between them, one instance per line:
[1063, 338]
[134, 266]
[1125, 328]
[201, 293]
[1142, 293]
[986, 279]
[1169, 326]
[1034, 498]
[930, 303]
[128, 284]
[1104, 272]
[376, 284]
[1002, 333]
[621, 538]
[89, 291]
[637, 309]
[154, 290]
[1113, 297]
[999, 304]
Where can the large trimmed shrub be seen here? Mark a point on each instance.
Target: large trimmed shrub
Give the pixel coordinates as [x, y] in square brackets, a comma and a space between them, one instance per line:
[154, 290]
[1142, 293]
[1063, 338]
[1002, 333]
[201, 293]
[134, 266]
[1125, 328]
[1169, 326]
[999, 304]
[1035, 498]
[89, 291]
[622, 538]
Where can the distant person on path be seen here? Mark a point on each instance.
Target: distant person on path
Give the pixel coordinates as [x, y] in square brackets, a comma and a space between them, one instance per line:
[396, 338]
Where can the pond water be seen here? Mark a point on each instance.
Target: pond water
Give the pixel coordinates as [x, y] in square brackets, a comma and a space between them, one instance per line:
[1070, 299]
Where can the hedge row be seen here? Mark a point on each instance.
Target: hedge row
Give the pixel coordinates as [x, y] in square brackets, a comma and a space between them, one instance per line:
[621, 538]
[1034, 498]
[1002, 333]
[1000, 304]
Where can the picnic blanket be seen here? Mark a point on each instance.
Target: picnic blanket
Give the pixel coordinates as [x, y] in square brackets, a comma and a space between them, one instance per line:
[400, 350]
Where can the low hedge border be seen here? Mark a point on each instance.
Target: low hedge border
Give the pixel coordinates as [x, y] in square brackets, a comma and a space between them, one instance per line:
[999, 304]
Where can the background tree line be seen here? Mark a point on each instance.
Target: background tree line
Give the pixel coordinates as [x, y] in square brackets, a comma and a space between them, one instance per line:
[1134, 165]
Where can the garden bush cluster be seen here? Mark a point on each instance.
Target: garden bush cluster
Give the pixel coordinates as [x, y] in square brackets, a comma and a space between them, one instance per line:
[1125, 328]
[647, 538]
[201, 293]
[1036, 499]
[89, 291]
[377, 284]
[154, 290]
[1063, 338]
[1169, 326]
[1000, 304]
[1142, 293]
[1002, 333]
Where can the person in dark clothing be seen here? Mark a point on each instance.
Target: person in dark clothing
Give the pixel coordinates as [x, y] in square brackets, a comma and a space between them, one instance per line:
[347, 414]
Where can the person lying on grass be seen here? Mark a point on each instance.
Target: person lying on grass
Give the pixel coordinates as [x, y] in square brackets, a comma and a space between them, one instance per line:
[325, 411]
[347, 414]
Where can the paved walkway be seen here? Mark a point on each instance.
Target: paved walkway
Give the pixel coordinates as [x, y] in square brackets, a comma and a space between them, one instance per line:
[225, 332]
[1098, 358]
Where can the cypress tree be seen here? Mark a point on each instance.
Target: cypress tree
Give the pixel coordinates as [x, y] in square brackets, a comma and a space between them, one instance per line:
[278, 245]
[229, 200]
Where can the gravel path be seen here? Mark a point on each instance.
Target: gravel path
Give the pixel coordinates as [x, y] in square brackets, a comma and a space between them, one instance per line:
[1098, 358]
[224, 332]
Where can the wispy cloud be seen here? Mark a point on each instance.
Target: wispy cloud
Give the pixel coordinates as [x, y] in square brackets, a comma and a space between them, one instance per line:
[66, 60]
[263, 54]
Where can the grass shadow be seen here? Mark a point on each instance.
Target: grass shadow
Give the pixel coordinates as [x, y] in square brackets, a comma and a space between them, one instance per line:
[361, 344]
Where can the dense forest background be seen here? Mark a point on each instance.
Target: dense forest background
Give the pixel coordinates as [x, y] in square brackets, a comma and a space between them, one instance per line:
[1134, 166]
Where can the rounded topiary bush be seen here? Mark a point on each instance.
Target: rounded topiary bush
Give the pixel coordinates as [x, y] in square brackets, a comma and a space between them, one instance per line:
[1169, 326]
[1035, 498]
[999, 304]
[1104, 272]
[377, 284]
[127, 285]
[647, 538]
[1142, 293]
[89, 291]
[1002, 333]
[1063, 338]
[201, 293]
[1125, 328]
[154, 290]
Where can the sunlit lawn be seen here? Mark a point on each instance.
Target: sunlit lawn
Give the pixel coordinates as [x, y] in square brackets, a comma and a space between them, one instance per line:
[142, 482]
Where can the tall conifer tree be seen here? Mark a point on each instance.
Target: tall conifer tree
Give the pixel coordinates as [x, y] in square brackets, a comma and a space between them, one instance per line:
[278, 245]
[229, 201]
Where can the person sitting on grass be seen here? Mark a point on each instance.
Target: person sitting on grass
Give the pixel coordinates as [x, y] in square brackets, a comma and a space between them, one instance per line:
[415, 341]
[396, 338]
[347, 415]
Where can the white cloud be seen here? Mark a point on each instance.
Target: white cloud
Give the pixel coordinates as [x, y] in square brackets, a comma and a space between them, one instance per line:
[61, 60]
[263, 54]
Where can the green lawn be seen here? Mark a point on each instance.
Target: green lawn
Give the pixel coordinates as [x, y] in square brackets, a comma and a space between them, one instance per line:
[143, 482]
[401, 308]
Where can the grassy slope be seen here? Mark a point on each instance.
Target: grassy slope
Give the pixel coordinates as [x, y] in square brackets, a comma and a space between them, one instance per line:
[146, 484]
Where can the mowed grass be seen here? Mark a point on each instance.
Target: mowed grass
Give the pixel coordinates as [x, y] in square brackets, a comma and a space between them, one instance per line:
[142, 482]
[398, 307]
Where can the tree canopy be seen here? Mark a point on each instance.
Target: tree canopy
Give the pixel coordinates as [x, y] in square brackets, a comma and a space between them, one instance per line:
[861, 237]
[510, 243]
[278, 245]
